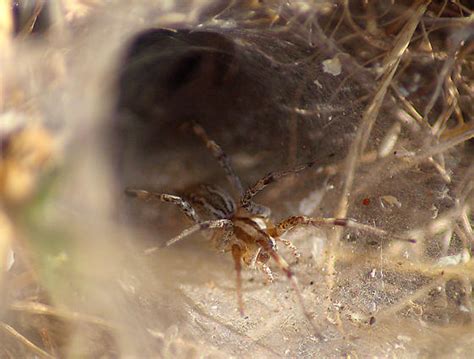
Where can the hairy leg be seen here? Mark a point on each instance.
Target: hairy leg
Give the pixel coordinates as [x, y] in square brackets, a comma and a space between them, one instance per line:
[246, 199]
[293, 221]
[221, 157]
[184, 205]
[224, 161]
[225, 224]
[212, 224]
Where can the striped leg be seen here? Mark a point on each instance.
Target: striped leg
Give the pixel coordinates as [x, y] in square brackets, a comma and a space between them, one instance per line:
[147, 196]
[225, 224]
[291, 222]
[246, 200]
[201, 226]
[221, 157]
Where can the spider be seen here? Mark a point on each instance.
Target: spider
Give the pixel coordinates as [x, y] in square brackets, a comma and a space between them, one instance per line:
[243, 227]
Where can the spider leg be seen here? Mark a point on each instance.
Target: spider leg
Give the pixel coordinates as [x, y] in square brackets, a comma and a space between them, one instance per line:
[147, 196]
[268, 246]
[246, 199]
[291, 222]
[220, 156]
[226, 224]
[237, 255]
[212, 224]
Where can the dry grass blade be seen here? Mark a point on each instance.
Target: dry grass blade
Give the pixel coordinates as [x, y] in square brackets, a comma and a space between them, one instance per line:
[23, 340]
[425, 153]
[444, 73]
[369, 117]
[421, 155]
[366, 35]
[372, 111]
[43, 309]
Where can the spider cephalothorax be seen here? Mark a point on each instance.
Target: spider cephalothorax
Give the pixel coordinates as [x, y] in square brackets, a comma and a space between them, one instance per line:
[242, 226]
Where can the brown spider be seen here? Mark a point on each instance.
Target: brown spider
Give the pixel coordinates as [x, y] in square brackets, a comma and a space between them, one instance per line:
[244, 228]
